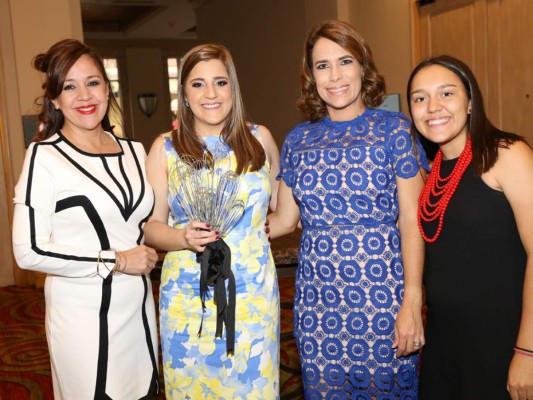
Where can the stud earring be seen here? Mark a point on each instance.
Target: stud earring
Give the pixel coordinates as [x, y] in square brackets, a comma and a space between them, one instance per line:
[186, 103]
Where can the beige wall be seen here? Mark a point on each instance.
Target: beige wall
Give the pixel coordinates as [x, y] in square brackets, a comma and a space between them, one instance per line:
[265, 38]
[386, 26]
[27, 27]
[149, 77]
[34, 27]
[266, 41]
[143, 69]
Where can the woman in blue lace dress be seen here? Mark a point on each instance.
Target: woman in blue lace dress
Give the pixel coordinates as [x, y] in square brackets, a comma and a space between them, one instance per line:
[352, 176]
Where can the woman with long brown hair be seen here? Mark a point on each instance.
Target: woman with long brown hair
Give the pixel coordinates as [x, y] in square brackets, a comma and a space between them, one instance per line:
[476, 216]
[244, 362]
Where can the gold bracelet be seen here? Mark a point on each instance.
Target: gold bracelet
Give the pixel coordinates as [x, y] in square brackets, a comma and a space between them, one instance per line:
[98, 259]
[103, 262]
[116, 269]
[125, 263]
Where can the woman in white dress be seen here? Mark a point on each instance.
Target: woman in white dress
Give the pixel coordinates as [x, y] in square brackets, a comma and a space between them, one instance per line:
[80, 206]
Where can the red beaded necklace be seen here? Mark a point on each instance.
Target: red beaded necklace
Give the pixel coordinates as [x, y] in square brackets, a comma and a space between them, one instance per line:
[442, 190]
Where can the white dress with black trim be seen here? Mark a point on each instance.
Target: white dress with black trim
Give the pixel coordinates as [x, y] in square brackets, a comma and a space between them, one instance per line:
[101, 328]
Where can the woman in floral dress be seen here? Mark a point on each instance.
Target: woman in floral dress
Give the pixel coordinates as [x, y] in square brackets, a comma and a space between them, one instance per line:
[200, 366]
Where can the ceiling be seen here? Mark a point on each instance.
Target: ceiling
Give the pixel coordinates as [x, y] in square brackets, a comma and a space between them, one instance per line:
[139, 19]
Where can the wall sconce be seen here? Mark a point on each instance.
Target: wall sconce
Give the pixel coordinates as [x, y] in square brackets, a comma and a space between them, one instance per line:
[147, 103]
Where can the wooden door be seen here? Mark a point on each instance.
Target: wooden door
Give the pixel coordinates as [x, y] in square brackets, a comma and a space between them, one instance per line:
[510, 58]
[9, 273]
[494, 38]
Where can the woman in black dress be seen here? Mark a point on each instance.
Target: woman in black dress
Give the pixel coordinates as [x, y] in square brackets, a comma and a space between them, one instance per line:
[476, 217]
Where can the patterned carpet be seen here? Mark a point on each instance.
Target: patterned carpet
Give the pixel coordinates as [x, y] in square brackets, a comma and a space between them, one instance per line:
[25, 363]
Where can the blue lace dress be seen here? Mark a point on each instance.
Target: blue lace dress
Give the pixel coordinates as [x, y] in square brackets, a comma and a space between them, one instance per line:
[349, 282]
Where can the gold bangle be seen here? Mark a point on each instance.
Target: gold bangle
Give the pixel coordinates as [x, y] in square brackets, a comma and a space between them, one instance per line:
[103, 262]
[116, 269]
[98, 259]
[125, 263]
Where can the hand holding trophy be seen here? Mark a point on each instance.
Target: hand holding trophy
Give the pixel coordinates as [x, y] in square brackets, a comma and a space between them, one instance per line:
[207, 191]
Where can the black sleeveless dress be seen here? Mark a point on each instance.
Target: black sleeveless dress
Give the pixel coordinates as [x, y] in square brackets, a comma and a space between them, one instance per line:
[474, 275]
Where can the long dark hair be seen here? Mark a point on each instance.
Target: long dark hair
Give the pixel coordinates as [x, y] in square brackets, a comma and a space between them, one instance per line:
[55, 64]
[236, 134]
[345, 35]
[486, 138]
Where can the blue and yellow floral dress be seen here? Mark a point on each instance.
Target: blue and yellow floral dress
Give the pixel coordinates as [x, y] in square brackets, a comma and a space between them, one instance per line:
[199, 367]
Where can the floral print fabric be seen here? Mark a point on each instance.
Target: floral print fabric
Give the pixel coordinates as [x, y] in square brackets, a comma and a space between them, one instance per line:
[198, 367]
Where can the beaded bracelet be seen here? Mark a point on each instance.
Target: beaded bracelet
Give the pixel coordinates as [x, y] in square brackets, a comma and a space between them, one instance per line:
[523, 351]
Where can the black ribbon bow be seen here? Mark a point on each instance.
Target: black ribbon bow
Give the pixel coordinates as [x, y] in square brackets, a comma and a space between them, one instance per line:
[215, 268]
